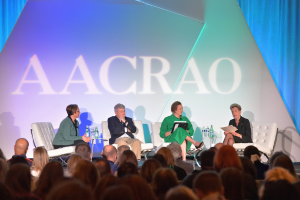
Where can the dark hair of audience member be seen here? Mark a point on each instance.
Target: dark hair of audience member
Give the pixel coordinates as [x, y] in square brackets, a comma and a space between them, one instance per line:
[161, 159]
[162, 181]
[127, 168]
[50, 175]
[120, 150]
[285, 162]
[227, 157]
[2, 155]
[180, 192]
[207, 182]
[273, 157]
[103, 167]
[251, 150]
[104, 183]
[18, 160]
[4, 192]
[207, 160]
[148, 168]
[18, 180]
[70, 190]
[279, 190]
[248, 167]
[139, 187]
[167, 153]
[128, 156]
[233, 184]
[84, 150]
[72, 162]
[86, 172]
[118, 192]
[3, 170]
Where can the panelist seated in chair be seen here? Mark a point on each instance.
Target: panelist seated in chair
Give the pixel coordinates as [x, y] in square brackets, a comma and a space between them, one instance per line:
[183, 137]
[121, 129]
[68, 131]
[243, 134]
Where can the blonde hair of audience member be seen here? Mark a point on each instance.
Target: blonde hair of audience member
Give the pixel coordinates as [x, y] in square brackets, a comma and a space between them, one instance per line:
[128, 156]
[72, 162]
[180, 192]
[40, 159]
[86, 172]
[167, 153]
[3, 170]
[162, 181]
[275, 174]
[121, 149]
[279, 173]
[226, 157]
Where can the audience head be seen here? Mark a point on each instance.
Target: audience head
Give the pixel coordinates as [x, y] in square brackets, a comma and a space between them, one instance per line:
[166, 152]
[118, 192]
[21, 146]
[207, 183]
[278, 173]
[120, 110]
[163, 180]
[121, 149]
[218, 145]
[104, 183]
[227, 157]
[110, 152]
[207, 160]
[279, 190]
[127, 168]
[2, 155]
[70, 190]
[4, 192]
[139, 187]
[232, 181]
[84, 150]
[285, 162]
[73, 109]
[86, 172]
[161, 159]
[103, 167]
[50, 175]
[3, 170]
[72, 162]
[18, 179]
[149, 168]
[248, 167]
[40, 159]
[18, 160]
[175, 149]
[273, 157]
[128, 156]
[179, 193]
[251, 150]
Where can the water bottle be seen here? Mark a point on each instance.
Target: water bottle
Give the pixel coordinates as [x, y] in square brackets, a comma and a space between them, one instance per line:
[207, 131]
[211, 132]
[87, 133]
[96, 133]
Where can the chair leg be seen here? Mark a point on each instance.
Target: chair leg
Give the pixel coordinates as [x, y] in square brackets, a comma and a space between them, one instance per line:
[63, 161]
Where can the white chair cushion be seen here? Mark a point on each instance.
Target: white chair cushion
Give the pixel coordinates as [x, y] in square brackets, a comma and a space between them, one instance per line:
[61, 151]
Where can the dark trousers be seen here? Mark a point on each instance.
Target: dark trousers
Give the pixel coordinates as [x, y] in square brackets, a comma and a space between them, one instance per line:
[75, 143]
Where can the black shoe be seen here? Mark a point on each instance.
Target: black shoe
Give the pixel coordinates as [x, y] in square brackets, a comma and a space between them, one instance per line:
[200, 146]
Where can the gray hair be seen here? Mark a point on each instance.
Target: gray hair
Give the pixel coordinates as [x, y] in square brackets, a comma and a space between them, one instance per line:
[119, 106]
[235, 105]
[175, 149]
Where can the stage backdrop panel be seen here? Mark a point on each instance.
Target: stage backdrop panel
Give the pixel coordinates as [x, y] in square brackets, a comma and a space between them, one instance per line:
[143, 55]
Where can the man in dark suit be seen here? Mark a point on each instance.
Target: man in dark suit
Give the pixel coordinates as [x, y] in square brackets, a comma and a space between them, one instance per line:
[121, 130]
